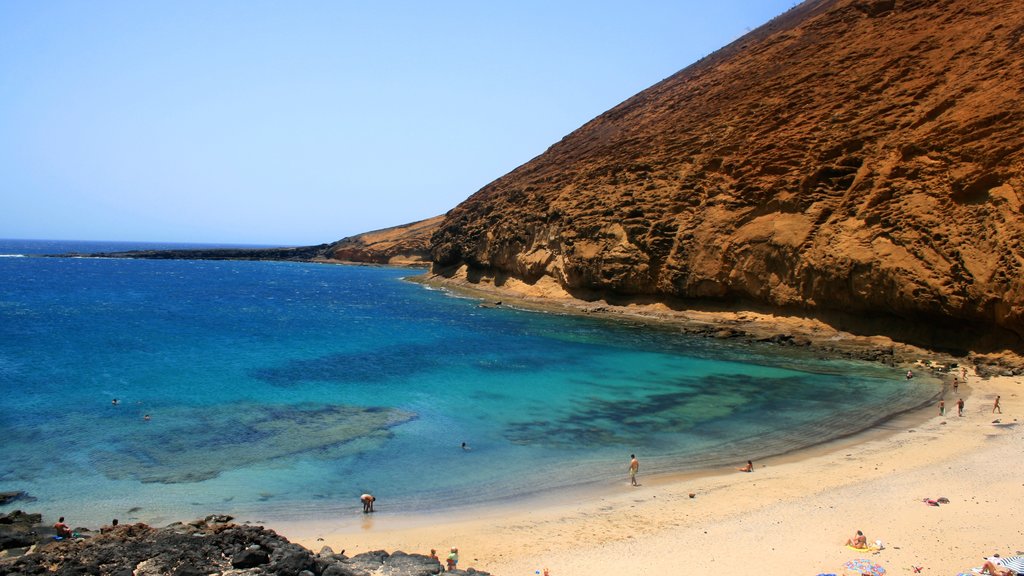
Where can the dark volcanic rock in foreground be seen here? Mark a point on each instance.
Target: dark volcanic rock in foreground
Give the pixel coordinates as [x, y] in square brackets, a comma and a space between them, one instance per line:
[856, 158]
[211, 546]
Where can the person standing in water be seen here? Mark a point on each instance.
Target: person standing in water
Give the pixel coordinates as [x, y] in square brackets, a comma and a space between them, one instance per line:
[367, 500]
[634, 467]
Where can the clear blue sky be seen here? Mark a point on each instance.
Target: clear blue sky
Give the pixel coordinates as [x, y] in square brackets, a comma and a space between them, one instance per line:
[304, 122]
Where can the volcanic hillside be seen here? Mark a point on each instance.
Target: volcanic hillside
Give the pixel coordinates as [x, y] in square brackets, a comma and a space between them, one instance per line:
[859, 157]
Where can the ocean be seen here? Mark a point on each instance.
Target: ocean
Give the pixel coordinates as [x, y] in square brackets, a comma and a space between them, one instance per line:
[274, 390]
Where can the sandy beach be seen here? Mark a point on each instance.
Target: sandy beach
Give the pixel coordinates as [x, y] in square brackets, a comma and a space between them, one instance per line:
[791, 515]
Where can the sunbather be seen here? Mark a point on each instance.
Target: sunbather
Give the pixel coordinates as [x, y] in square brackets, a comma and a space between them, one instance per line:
[995, 569]
[858, 541]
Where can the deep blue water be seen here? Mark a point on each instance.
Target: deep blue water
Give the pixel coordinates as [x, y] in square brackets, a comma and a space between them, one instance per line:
[284, 390]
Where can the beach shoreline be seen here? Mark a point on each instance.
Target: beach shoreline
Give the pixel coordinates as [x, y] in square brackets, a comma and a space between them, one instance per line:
[796, 510]
[793, 513]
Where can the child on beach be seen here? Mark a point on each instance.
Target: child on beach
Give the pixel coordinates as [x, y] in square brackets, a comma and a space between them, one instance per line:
[453, 559]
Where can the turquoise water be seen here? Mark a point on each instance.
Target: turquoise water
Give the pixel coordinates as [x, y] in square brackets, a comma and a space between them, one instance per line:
[283, 390]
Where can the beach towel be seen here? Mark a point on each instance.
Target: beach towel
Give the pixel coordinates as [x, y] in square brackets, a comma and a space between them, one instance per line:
[865, 549]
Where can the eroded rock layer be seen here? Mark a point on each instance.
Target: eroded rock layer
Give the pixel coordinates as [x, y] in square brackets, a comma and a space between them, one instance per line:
[854, 156]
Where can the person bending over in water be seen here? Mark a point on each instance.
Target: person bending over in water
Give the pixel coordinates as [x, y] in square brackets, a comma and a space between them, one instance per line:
[858, 541]
[368, 500]
[748, 468]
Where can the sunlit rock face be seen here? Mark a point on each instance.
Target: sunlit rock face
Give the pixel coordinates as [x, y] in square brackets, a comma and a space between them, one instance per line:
[861, 157]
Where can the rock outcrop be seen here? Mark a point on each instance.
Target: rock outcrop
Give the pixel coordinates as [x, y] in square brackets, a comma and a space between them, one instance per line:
[407, 245]
[856, 158]
[210, 546]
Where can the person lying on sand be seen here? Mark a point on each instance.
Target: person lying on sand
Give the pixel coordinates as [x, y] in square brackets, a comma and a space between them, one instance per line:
[748, 468]
[858, 541]
[991, 567]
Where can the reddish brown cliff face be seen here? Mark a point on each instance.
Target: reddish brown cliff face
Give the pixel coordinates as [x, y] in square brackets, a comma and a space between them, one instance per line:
[862, 156]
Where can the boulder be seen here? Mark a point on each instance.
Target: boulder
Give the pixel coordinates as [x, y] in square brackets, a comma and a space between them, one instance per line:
[249, 558]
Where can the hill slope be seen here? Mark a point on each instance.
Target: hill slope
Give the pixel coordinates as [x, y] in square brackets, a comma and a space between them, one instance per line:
[856, 157]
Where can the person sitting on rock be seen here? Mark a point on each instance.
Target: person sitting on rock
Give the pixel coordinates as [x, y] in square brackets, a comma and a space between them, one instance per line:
[63, 530]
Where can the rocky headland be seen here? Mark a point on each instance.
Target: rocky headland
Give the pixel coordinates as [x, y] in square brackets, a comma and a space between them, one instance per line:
[213, 545]
[858, 161]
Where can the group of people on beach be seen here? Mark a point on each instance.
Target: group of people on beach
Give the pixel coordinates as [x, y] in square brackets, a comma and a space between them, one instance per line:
[451, 561]
[996, 408]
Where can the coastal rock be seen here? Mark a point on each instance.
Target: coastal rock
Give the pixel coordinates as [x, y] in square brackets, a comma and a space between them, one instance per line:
[205, 547]
[21, 530]
[860, 161]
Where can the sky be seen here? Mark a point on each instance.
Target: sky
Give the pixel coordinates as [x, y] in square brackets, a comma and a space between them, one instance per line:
[297, 123]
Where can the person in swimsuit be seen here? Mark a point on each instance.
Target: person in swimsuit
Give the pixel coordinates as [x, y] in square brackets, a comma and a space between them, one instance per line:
[634, 467]
[858, 541]
[63, 530]
[367, 500]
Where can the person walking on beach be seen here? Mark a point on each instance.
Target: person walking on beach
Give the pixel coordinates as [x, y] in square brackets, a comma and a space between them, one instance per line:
[368, 500]
[942, 407]
[956, 384]
[634, 467]
[960, 407]
[995, 406]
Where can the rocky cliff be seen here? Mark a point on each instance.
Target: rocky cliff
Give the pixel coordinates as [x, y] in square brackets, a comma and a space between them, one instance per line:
[861, 158]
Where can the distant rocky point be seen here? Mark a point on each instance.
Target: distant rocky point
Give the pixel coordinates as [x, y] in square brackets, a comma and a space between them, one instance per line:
[405, 245]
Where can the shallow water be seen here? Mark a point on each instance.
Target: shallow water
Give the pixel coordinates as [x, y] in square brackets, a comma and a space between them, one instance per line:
[281, 390]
